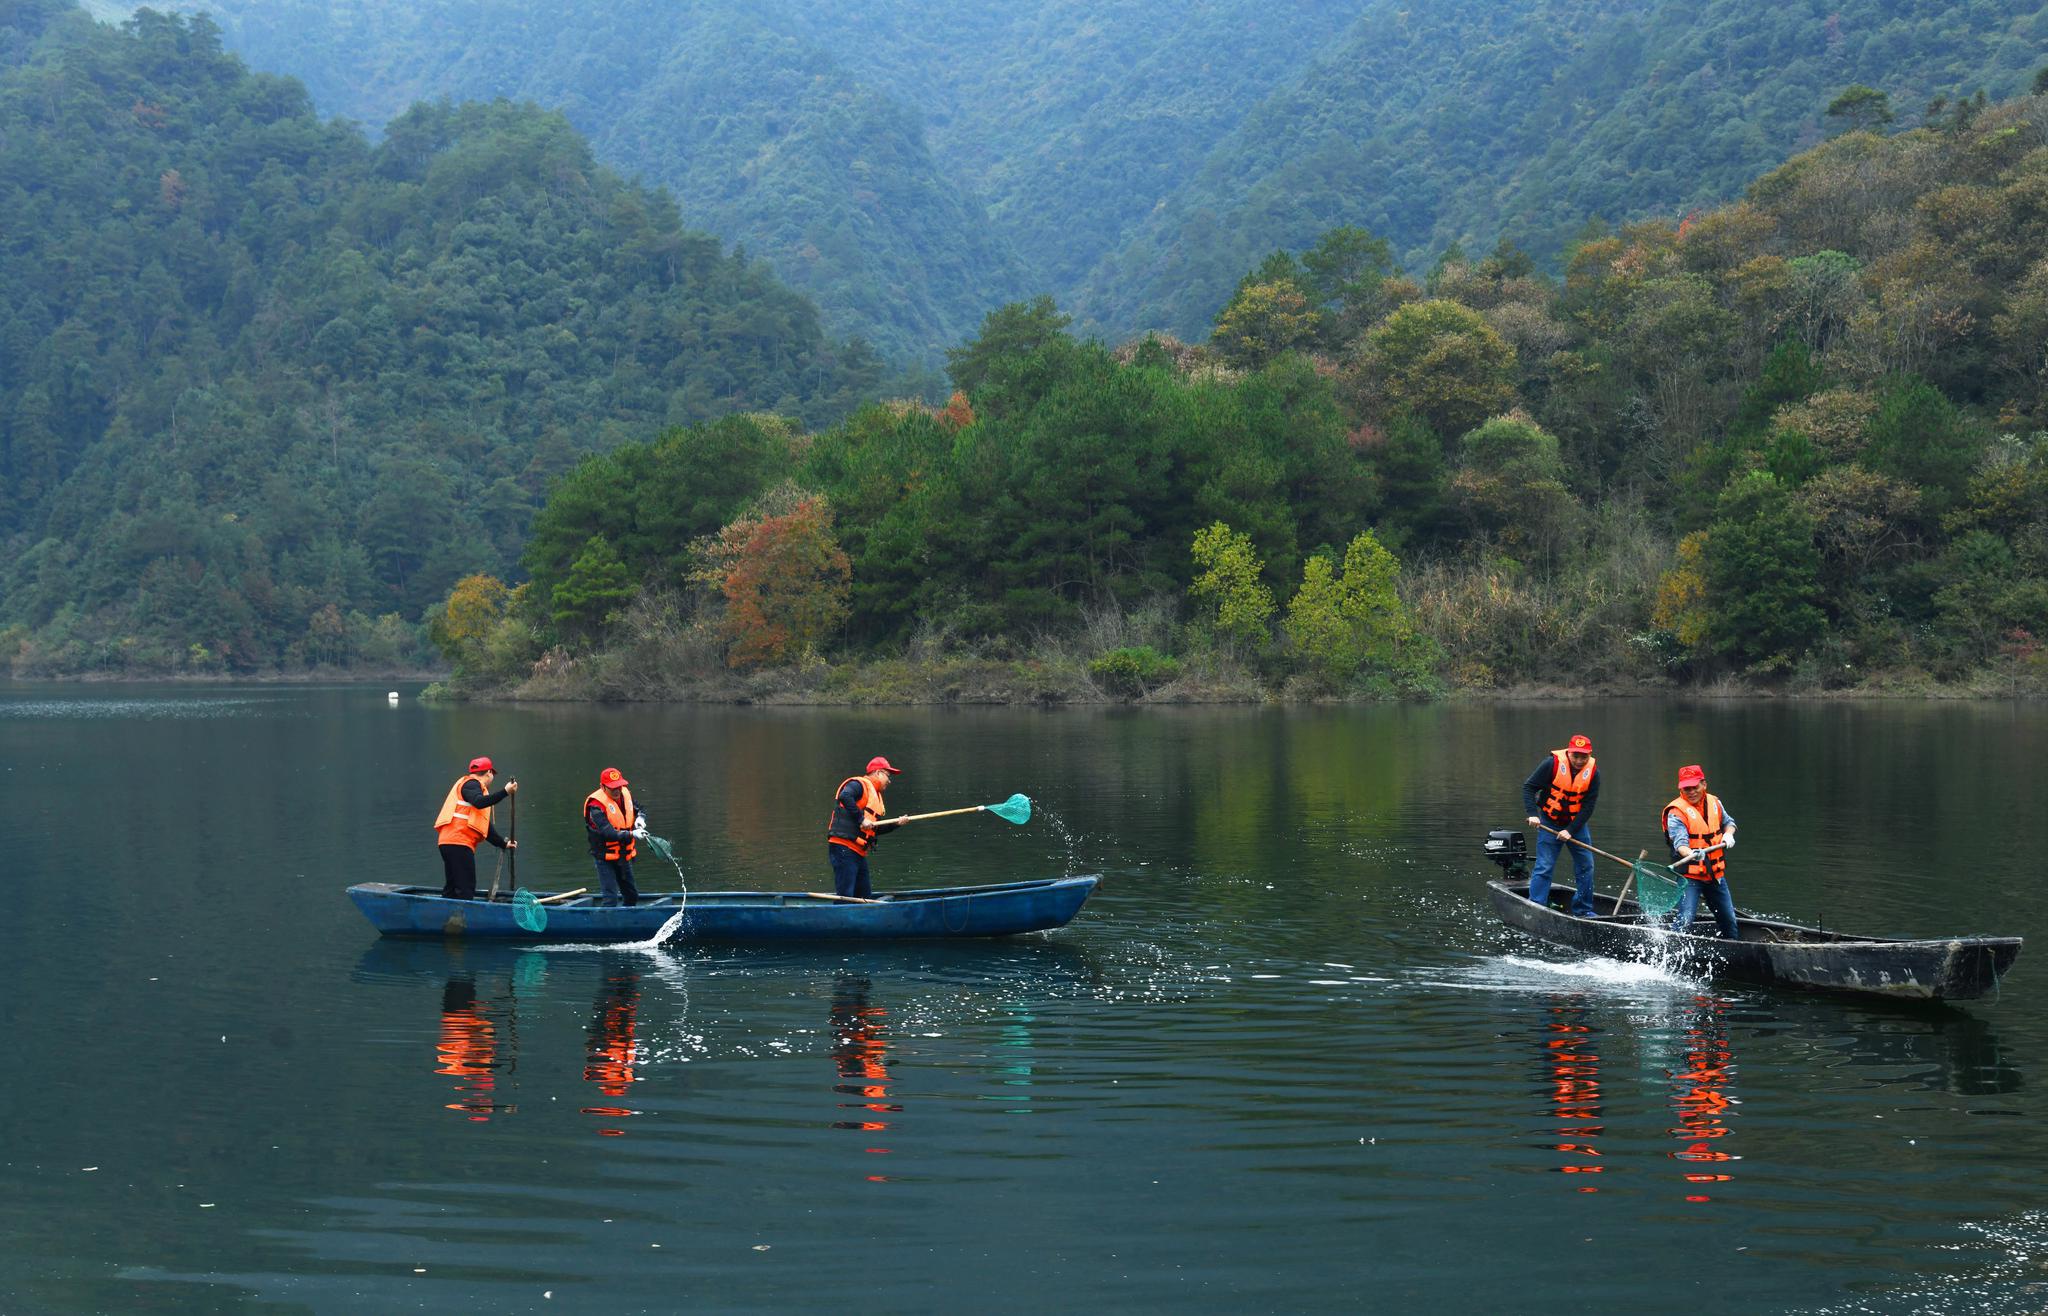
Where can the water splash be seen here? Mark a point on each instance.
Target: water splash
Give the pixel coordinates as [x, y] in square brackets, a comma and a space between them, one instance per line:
[660, 846]
[1067, 838]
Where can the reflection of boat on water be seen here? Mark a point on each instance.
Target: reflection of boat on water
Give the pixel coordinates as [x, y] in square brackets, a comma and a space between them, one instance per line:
[1933, 1050]
[1768, 952]
[1000, 910]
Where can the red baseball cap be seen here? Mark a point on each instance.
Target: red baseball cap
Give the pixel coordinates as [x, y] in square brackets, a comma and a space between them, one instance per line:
[880, 764]
[481, 763]
[611, 777]
[1692, 774]
[1579, 745]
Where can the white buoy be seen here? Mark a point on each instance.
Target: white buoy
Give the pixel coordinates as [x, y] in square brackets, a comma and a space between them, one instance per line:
[392, 697]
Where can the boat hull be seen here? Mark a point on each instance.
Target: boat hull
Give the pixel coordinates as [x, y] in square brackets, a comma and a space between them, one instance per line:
[1772, 953]
[1001, 910]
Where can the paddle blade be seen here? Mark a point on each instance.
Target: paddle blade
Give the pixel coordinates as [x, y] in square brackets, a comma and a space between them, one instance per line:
[1016, 809]
[528, 912]
[1656, 890]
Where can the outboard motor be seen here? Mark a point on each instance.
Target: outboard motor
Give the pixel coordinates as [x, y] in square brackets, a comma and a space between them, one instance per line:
[1511, 852]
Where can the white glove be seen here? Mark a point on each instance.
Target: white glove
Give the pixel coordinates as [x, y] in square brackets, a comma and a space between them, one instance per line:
[1728, 841]
[1534, 821]
[1564, 833]
[640, 829]
[1684, 857]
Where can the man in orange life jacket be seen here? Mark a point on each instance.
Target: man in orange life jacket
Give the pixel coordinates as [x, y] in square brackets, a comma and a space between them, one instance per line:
[465, 819]
[1560, 793]
[614, 824]
[856, 821]
[1693, 823]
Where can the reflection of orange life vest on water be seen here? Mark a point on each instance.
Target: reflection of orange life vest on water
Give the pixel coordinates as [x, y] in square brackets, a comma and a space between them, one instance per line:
[613, 1050]
[459, 822]
[1567, 789]
[841, 830]
[860, 1052]
[1703, 830]
[619, 813]
[468, 1050]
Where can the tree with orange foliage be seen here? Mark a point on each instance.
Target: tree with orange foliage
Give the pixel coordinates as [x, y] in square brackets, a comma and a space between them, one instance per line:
[959, 414]
[785, 579]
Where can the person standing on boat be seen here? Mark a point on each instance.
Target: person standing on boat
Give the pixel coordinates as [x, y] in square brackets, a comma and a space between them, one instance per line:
[856, 821]
[614, 825]
[465, 819]
[1693, 824]
[1559, 795]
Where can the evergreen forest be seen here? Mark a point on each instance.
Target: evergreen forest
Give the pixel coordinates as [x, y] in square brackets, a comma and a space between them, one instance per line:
[268, 389]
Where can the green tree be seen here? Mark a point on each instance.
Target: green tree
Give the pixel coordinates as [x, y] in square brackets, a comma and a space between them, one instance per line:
[1010, 335]
[1340, 624]
[1228, 572]
[1762, 576]
[1510, 485]
[595, 592]
[1443, 362]
[1861, 108]
[1262, 321]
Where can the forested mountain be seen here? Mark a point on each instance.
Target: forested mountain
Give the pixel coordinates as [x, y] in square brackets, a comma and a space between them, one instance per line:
[913, 163]
[1801, 439]
[1471, 120]
[267, 389]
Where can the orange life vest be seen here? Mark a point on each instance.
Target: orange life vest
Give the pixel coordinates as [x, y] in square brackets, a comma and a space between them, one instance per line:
[619, 813]
[1704, 830]
[1567, 792]
[460, 823]
[871, 807]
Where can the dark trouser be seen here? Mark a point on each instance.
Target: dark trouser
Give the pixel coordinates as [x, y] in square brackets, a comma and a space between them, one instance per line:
[849, 872]
[615, 879]
[1547, 846]
[1718, 899]
[458, 872]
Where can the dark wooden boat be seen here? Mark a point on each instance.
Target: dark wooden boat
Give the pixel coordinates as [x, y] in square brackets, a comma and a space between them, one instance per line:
[1001, 910]
[1768, 952]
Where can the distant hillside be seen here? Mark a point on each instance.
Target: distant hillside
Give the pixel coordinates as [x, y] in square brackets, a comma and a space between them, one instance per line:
[1472, 120]
[913, 163]
[262, 383]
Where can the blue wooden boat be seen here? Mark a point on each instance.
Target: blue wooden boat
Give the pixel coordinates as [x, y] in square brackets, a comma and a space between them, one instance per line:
[1001, 910]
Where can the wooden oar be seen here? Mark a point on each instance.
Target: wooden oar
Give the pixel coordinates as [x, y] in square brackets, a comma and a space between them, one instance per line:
[855, 900]
[1016, 809]
[549, 900]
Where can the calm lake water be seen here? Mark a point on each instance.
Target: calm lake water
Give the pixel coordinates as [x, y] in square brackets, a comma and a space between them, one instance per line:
[1284, 1060]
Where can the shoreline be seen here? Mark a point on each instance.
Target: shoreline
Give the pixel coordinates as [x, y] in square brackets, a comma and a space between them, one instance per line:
[981, 683]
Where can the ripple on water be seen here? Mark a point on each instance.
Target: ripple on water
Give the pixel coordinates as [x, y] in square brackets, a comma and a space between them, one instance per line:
[140, 709]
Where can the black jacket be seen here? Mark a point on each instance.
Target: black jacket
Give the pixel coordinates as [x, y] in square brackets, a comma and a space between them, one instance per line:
[473, 795]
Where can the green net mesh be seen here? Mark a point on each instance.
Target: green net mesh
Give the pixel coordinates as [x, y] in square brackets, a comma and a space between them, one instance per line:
[528, 912]
[1657, 889]
[1016, 809]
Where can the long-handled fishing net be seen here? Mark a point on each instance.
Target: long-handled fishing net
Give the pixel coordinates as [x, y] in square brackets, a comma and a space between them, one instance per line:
[1657, 889]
